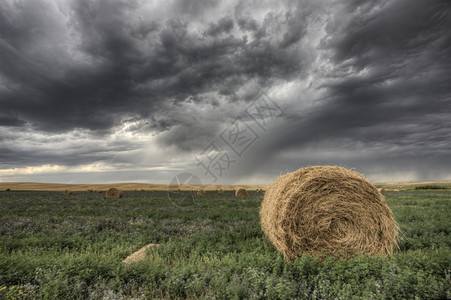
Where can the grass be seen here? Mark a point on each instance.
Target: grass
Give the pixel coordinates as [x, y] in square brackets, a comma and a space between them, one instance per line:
[430, 187]
[55, 246]
[411, 186]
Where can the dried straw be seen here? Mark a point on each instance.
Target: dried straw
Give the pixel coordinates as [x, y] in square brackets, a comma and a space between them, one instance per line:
[114, 193]
[241, 193]
[139, 255]
[201, 192]
[327, 210]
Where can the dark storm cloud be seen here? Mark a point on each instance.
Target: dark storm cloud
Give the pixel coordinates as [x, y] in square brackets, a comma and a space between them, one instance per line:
[385, 104]
[224, 25]
[72, 153]
[125, 63]
[390, 78]
[375, 76]
[6, 120]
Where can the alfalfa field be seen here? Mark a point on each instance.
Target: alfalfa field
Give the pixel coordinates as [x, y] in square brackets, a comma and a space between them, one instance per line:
[57, 246]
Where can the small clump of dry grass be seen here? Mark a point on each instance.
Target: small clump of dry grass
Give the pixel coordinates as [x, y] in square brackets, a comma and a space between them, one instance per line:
[139, 255]
[324, 210]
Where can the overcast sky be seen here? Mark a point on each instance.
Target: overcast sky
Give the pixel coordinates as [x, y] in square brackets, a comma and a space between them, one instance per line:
[231, 91]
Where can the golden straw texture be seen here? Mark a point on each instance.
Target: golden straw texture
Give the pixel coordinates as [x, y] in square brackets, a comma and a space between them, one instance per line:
[326, 210]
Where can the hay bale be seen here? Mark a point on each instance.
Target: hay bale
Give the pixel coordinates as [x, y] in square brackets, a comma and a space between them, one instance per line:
[220, 191]
[90, 191]
[241, 193]
[8, 190]
[395, 190]
[381, 190]
[324, 210]
[139, 255]
[114, 193]
[201, 192]
[67, 192]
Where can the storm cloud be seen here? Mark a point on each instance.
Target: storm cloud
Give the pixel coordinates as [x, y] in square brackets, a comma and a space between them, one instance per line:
[364, 84]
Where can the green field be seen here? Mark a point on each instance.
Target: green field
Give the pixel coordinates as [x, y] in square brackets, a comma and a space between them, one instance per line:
[54, 246]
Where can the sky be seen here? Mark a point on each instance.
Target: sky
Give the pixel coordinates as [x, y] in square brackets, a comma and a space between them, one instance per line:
[233, 92]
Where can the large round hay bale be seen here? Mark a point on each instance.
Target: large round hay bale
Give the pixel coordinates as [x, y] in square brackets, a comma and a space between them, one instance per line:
[201, 192]
[241, 193]
[325, 210]
[114, 193]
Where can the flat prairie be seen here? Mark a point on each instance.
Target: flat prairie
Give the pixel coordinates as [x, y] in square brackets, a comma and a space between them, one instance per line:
[125, 186]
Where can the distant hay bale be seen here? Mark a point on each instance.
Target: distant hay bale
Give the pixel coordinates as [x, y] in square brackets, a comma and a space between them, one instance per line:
[381, 190]
[324, 210]
[90, 190]
[220, 191]
[201, 192]
[114, 193]
[241, 193]
[139, 255]
[8, 190]
[67, 192]
[154, 191]
[395, 190]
